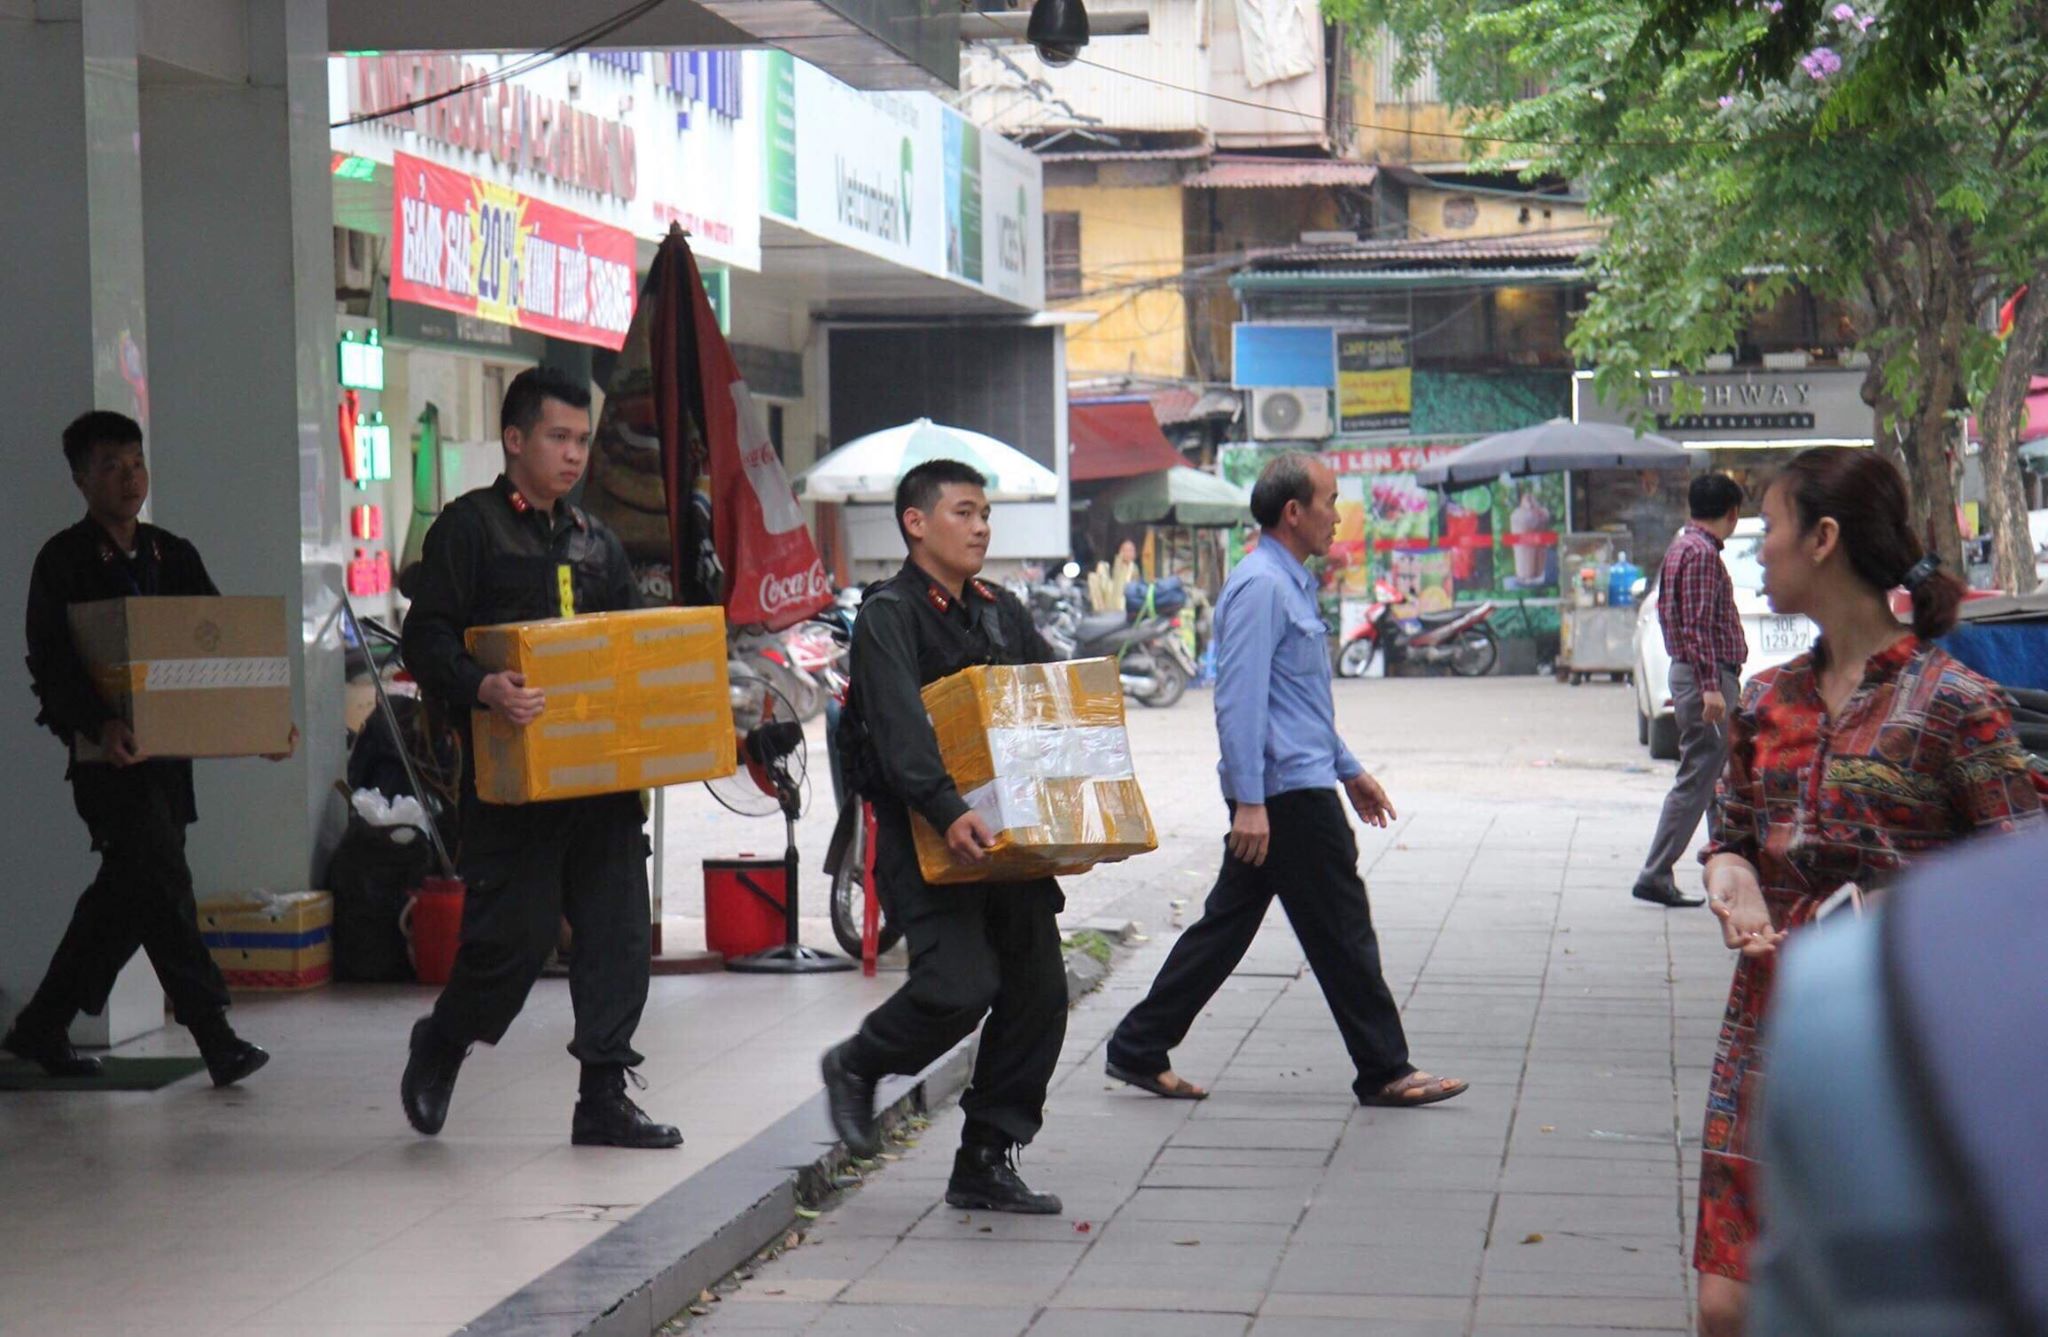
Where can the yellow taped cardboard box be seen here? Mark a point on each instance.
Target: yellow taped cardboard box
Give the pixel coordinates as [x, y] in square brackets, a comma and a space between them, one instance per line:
[1041, 752]
[634, 701]
[271, 941]
[194, 677]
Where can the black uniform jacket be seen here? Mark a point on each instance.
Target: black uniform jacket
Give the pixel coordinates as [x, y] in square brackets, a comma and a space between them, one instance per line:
[492, 558]
[911, 632]
[82, 565]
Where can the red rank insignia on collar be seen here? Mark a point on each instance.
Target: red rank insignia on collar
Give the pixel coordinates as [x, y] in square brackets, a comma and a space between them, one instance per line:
[938, 598]
[985, 590]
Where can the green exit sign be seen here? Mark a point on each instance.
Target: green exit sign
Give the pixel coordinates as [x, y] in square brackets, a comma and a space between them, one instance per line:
[718, 287]
[362, 361]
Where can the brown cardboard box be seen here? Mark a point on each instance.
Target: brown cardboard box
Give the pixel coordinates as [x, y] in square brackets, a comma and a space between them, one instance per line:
[271, 941]
[1041, 752]
[194, 677]
[634, 701]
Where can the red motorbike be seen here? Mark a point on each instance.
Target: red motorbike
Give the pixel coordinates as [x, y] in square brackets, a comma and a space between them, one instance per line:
[1459, 638]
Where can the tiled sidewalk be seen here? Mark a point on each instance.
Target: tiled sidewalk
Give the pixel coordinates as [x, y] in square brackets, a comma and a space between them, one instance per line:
[1555, 1196]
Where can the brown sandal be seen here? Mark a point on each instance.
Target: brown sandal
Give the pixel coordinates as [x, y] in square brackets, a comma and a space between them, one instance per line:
[1417, 1088]
[1182, 1089]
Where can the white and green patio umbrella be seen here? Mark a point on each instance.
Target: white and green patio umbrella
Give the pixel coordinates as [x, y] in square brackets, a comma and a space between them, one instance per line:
[868, 469]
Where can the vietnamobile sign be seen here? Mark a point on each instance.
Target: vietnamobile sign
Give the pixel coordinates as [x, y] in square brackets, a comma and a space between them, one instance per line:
[901, 176]
[485, 250]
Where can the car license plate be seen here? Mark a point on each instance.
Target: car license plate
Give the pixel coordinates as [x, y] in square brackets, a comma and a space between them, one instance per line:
[1786, 635]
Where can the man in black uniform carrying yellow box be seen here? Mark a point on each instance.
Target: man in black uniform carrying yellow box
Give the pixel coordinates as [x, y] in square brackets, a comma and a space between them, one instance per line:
[519, 552]
[983, 949]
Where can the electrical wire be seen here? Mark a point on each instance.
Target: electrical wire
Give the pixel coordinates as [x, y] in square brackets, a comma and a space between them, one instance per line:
[568, 46]
[1458, 136]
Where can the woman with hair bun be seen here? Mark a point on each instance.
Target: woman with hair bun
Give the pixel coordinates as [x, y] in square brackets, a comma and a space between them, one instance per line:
[1844, 766]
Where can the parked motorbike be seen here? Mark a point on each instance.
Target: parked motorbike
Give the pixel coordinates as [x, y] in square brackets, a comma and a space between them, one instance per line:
[1151, 659]
[1459, 638]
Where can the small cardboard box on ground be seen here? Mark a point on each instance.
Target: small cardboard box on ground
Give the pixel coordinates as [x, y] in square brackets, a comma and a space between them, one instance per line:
[635, 700]
[275, 941]
[193, 676]
[1040, 751]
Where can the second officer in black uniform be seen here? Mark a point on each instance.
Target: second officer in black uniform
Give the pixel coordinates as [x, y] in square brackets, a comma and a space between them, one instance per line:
[519, 552]
[978, 950]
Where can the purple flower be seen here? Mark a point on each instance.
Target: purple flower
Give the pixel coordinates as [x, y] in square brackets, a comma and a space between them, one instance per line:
[1726, 101]
[1774, 5]
[1820, 62]
[1843, 13]
[1863, 23]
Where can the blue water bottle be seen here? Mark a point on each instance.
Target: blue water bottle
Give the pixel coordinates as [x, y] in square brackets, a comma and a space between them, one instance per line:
[1621, 583]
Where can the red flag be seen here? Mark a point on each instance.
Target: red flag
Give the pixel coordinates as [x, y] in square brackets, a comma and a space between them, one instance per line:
[2010, 311]
[772, 572]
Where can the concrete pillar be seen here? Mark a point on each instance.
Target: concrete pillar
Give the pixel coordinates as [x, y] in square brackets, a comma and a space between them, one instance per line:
[238, 206]
[70, 207]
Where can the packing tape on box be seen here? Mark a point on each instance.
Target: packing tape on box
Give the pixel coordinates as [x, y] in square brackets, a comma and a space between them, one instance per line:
[1082, 752]
[195, 675]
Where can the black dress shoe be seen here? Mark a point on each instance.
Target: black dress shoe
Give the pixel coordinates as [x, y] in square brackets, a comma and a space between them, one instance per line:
[852, 1101]
[229, 1061]
[1667, 895]
[612, 1120]
[429, 1081]
[985, 1179]
[51, 1051]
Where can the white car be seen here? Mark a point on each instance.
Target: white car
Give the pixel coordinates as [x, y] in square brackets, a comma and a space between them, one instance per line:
[1773, 639]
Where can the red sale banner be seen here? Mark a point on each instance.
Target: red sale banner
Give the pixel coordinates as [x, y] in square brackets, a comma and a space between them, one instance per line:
[488, 251]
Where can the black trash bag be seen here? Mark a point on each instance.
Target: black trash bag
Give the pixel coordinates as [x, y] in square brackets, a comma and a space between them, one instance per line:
[373, 874]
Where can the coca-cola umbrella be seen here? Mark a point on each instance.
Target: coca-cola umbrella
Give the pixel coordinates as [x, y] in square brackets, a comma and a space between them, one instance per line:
[868, 468]
[1557, 446]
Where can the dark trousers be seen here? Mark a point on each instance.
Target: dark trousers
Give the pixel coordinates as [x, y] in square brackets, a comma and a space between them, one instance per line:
[1312, 866]
[525, 867]
[141, 898]
[983, 950]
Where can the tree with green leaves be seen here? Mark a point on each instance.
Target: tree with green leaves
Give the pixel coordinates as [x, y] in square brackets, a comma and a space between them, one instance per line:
[1898, 162]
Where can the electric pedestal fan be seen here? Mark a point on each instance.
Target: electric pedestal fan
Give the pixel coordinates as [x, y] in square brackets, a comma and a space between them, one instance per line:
[772, 777]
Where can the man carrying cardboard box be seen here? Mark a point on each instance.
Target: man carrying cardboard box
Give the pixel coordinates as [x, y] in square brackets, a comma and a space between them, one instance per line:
[517, 551]
[136, 807]
[984, 949]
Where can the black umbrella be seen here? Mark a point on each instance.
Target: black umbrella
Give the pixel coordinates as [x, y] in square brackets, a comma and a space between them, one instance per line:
[1553, 447]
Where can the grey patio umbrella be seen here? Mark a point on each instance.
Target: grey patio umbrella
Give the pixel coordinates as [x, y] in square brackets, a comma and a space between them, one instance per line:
[1179, 496]
[1553, 447]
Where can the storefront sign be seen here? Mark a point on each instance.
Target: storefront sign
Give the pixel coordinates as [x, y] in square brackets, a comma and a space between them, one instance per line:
[1386, 459]
[1808, 406]
[515, 125]
[901, 176]
[481, 249]
[1375, 381]
[636, 140]
[413, 323]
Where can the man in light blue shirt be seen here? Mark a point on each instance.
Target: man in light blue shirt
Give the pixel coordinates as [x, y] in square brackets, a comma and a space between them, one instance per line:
[1289, 837]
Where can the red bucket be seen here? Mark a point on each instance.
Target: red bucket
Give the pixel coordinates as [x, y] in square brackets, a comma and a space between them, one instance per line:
[433, 928]
[743, 901]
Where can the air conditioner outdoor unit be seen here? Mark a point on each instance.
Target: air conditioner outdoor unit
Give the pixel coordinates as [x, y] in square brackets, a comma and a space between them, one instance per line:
[1294, 413]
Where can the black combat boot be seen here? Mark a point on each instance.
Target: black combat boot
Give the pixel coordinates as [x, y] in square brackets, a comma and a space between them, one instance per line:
[985, 1180]
[606, 1118]
[429, 1081]
[49, 1048]
[852, 1101]
[229, 1058]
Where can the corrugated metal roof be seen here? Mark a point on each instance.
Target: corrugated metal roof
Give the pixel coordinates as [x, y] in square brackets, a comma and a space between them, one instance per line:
[1240, 173]
[1559, 247]
[1475, 277]
[1177, 152]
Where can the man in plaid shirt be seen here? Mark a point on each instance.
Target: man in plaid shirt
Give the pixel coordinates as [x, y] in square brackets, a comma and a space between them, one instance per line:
[1703, 634]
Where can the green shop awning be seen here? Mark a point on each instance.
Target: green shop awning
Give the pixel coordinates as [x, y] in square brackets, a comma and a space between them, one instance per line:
[1179, 496]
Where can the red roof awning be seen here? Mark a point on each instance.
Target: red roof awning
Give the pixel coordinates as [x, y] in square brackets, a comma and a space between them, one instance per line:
[1116, 438]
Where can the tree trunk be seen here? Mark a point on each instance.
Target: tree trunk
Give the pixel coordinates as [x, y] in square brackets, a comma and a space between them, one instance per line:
[2004, 412]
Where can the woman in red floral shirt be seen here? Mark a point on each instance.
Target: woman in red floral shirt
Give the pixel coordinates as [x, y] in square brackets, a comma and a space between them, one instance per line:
[1844, 765]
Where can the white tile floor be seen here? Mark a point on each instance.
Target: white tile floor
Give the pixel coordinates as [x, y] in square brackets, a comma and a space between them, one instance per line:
[303, 1203]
